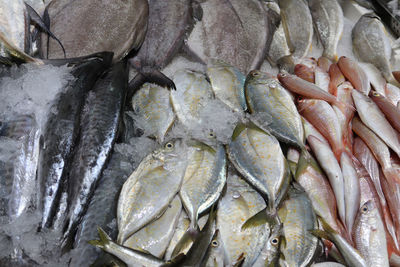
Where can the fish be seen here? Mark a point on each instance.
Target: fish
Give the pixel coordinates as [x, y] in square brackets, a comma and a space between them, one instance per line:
[323, 117]
[351, 190]
[299, 245]
[269, 256]
[392, 93]
[227, 83]
[369, 235]
[215, 254]
[375, 77]
[60, 134]
[392, 113]
[168, 25]
[309, 129]
[327, 264]
[329, 21]
[351, 255]
[307, 89]
[253, 152]
[315, 184]
[273, 109]
[118, 28]
[130, 257]
[371, 44]
[279, 51]
[336, 78]
[355, 74]
[192, 89]
[180, 229]
[322, 79]
[203, 181]
[304, 72]
[330, 165]
[98, 132]
[245, 26]
[372, 117]
[324, 63]
[297, 24]
[148, 191]
[102, 209]
[240, 203]
[153, 110]
[155, 237]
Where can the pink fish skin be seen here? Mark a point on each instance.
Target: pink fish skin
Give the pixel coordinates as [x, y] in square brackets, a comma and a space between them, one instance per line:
[352, 71]
[391, 112]
[324, 63]
[336, 78]
[304, 72]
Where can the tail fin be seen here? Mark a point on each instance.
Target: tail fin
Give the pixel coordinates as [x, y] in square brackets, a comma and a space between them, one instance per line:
[104, 239]
[260, 218]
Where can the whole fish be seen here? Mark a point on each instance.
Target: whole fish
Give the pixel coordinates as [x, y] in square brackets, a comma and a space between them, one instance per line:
[131, 258]
[298, 219]
[355, 74]
[61, 131]
[203, 181]
[240, 203]
[150, 188]
[371, 44]
[168, 26]
[330, 165]
[155, 237]
[369, 235]
[227, 82]
[392, 113]
[273, 109]
[102, 209]
[297, 23]
[253, 152]
[269, 256]
[24, 131]
[372, 117]
[99, 125]
[234, 31]
[95, 27]
[318, 189]
[192, 89]
[328, 19]
[323, 117]
[153, 110]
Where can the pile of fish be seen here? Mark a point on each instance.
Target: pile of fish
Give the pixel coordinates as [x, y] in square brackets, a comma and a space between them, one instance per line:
[214, 163]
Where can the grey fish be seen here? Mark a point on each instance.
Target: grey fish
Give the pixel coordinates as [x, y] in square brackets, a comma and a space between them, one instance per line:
[273, 108]
[168, 24]
[203, 181]
[60, 134]
[181, 227]
[234, 31]
[269, 256]
[150, 188]
[253, 153]
[215, 255]
[99, 124]
[297, 23]
[102, 209]
[371, 44]
[328, 18]
[240, 203]
[298, 219]
[96, 26]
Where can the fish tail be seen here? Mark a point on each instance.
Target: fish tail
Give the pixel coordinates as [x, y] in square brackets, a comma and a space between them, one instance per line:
[104, 241]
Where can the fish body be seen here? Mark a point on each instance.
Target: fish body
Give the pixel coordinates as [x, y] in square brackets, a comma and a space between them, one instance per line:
[392, 113]
[60, 135]
[227, 83]
[269, 256]
[204, 179]
[371, 43]
[297, 23]
[152, 108]
[273, 108]
[150, 188]
[253, 153]
[96, 26]
[328, 18]
[355, 74]
[240, 203]
[215, 255]
[99, 125]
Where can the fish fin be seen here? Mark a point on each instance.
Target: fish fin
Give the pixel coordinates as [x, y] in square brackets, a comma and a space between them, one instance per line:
[157, 77]
[197, 11]
[260, 218]
[240, 260]
[174, 261]
[34, 16]
[104, 239]
[188, 237]
[320, 234]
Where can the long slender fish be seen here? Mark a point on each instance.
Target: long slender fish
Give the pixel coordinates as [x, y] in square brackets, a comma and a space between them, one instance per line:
[61, 132]
[99, 125]
[328, 18]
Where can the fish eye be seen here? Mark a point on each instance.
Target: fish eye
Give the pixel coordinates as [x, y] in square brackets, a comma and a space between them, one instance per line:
[214, 243]
[274, 241]
[255, 73]
[364, 209]
[169, 145]
[283, 74]
[375, 94]
[211, 134]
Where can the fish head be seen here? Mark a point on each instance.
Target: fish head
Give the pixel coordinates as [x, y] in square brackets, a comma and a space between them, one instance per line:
[258, 77]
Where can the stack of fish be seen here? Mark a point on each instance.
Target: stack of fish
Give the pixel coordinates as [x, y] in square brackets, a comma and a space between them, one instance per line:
[238, 167]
